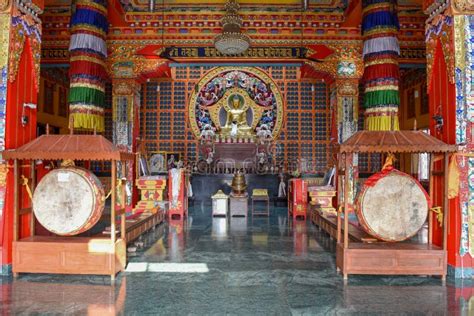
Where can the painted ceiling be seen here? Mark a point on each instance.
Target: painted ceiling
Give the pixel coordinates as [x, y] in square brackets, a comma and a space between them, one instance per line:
[246, 5]
[195, 23]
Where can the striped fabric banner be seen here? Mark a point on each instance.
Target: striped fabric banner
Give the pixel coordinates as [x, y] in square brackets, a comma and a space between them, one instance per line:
[87, 72]
[381, 50]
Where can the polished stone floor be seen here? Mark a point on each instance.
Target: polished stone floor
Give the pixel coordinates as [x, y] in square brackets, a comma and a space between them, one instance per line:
[217, 266]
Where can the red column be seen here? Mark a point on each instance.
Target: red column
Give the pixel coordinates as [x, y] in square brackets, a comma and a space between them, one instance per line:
[20, 91]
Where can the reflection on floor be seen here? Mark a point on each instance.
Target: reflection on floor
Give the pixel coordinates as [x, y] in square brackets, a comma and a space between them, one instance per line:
[208, 266]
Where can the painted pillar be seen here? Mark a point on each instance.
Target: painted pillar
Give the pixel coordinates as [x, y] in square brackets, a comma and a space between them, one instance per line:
[125, 115]
[450, 65]
[347, 108]
[88, 75]
[5, 239]
[464, 118]
[381, 75]
[20, 40]
[347, 116]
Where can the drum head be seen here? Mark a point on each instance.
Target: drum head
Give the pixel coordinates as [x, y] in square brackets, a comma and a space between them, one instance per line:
[394, 208]
[65, 200]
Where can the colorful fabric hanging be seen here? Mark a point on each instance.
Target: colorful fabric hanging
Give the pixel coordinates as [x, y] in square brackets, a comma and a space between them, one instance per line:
[87, 72]
[381, 50]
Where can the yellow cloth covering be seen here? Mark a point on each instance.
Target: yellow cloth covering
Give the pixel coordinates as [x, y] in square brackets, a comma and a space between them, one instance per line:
[382, 123]
[454, 174]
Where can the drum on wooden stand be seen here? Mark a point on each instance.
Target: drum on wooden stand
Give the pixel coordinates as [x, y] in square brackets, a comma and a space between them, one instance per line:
[68, 201]
[392, 206]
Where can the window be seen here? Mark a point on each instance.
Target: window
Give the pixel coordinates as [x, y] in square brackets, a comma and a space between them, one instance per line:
[424, 163]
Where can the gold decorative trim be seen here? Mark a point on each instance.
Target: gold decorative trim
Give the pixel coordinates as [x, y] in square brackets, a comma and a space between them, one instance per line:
[220, 195]
[347, 87]
[463, 6]
[4, 5]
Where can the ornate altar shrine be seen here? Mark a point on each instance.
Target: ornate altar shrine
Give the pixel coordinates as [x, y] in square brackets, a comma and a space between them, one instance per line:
[237, 115]
[228, 157]
[151, 190]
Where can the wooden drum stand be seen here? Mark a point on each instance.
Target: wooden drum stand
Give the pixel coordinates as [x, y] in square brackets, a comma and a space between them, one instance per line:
[69, 255]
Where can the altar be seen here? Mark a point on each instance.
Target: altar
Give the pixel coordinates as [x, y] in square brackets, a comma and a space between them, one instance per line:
[205, 185]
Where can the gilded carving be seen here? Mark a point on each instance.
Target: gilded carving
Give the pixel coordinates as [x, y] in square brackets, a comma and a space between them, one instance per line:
[144, 65]
[36, 54]
[440, 30]
[23, 27]
[4, 39]
[4, 5]
[123, 87]
[123, 62]
[17, 43]
[123, 69]
[459, 42]
[347, 87]
[463, 6]
[329, 67]
[203, 104]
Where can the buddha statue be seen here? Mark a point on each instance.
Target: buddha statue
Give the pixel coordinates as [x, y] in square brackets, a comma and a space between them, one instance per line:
[236, 124]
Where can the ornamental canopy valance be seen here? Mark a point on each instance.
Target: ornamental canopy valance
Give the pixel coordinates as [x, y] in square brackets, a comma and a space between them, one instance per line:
[74, 147]
[393, 142]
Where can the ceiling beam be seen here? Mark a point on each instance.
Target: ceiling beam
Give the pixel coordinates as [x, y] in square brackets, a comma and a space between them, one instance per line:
[353, 14]
[116, 14]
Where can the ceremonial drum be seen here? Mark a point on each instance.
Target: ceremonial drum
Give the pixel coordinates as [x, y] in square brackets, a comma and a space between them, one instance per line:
[68, 201]
[392, 206]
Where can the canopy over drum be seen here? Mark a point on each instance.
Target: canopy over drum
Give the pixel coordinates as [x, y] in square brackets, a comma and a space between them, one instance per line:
[68, 201]
[392, 205]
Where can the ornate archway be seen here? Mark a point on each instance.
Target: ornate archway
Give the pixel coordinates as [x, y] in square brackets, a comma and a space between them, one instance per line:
[256, 90]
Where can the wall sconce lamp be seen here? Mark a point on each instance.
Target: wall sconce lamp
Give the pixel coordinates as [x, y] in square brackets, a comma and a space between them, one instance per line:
[439, 120]
[24, 117]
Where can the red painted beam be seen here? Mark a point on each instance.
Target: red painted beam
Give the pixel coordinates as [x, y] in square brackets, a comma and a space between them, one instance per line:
[353, 14]
[116, 14]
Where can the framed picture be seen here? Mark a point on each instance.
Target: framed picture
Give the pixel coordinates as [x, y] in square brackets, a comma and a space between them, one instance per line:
[172, 159]
[157, 162]
[143, 164]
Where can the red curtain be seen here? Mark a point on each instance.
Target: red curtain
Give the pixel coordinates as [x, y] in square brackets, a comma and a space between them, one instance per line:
[442, 101]
[22, 90]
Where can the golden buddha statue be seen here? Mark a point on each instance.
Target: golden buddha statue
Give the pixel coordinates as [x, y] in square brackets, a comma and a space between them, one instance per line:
[236, 124]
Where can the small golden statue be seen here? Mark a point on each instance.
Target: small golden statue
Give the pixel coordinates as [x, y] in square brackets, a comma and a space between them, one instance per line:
[239, 186]
[236, 125]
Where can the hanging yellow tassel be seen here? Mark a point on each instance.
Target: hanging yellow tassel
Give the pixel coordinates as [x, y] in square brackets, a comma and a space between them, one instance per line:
[453, 177]
[67, 163]
[27, 187]
[439, 214]
[389, 161]
[454, 174]
[118, 192]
